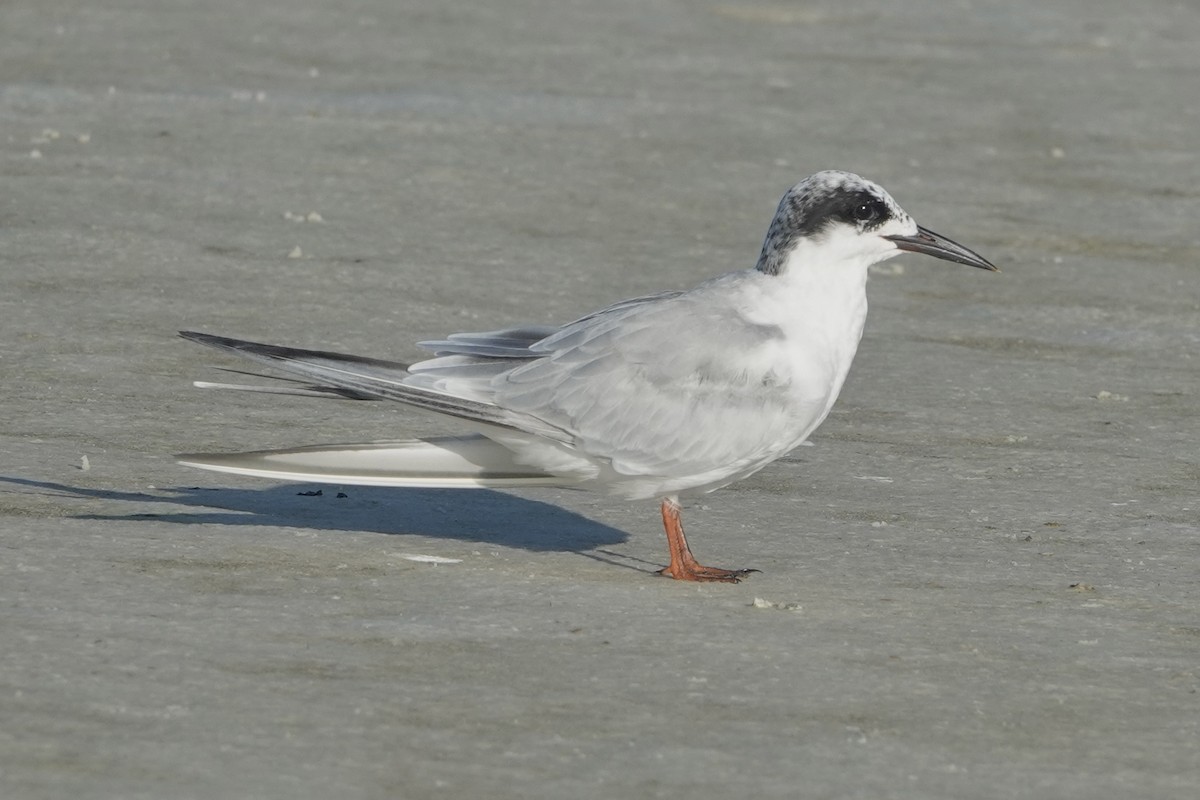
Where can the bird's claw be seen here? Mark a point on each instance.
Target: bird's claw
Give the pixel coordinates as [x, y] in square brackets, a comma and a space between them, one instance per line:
[707, 574]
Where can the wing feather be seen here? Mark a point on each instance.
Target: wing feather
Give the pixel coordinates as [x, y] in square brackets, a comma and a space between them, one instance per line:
[377, 378]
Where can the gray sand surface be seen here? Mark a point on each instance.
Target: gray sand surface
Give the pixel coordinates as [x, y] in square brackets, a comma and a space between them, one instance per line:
[983, 581]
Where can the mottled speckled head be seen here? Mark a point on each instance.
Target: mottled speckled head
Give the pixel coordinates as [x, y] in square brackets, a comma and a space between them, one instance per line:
[838, 216]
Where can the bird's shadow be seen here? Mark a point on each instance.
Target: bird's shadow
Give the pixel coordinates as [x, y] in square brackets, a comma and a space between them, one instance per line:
[476, 515]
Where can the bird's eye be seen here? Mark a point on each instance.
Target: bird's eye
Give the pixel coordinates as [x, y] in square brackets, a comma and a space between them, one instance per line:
[865, 212]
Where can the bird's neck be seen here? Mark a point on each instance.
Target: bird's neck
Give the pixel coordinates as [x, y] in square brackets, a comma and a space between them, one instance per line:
[821, 304]
[821, 285]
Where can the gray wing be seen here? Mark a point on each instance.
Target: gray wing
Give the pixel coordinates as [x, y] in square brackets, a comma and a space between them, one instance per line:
[646, 384]
[530, 341]
[657, 393]
[507, 343]
[473, 364]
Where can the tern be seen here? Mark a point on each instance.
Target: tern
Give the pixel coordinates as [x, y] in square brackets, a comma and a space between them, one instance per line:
[663, 396]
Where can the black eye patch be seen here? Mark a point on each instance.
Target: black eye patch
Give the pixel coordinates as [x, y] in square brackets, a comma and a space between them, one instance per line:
[811, 213]
[859, 208]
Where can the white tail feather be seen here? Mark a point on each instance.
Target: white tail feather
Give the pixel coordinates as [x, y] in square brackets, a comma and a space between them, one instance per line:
[249, 387]
[450, 462]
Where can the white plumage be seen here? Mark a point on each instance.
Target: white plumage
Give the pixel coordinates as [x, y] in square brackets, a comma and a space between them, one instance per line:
[680, 392]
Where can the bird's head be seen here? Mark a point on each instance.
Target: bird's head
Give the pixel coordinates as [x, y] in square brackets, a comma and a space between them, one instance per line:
[835, 218]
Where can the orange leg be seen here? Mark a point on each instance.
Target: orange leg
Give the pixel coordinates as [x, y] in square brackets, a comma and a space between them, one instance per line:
[683, 566]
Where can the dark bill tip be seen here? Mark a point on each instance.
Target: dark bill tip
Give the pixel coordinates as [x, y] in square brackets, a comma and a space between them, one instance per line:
[932, 244]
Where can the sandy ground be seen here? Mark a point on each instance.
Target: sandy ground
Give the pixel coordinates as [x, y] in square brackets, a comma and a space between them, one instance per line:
[981, 582]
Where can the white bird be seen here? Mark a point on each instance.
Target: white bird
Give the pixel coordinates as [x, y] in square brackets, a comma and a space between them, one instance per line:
[655, 397]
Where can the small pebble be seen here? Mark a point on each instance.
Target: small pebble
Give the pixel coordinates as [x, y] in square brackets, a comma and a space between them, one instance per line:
[760, 602]
[423, 559]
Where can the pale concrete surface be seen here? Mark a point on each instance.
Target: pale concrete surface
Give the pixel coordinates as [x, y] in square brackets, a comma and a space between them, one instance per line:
[985, 571]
